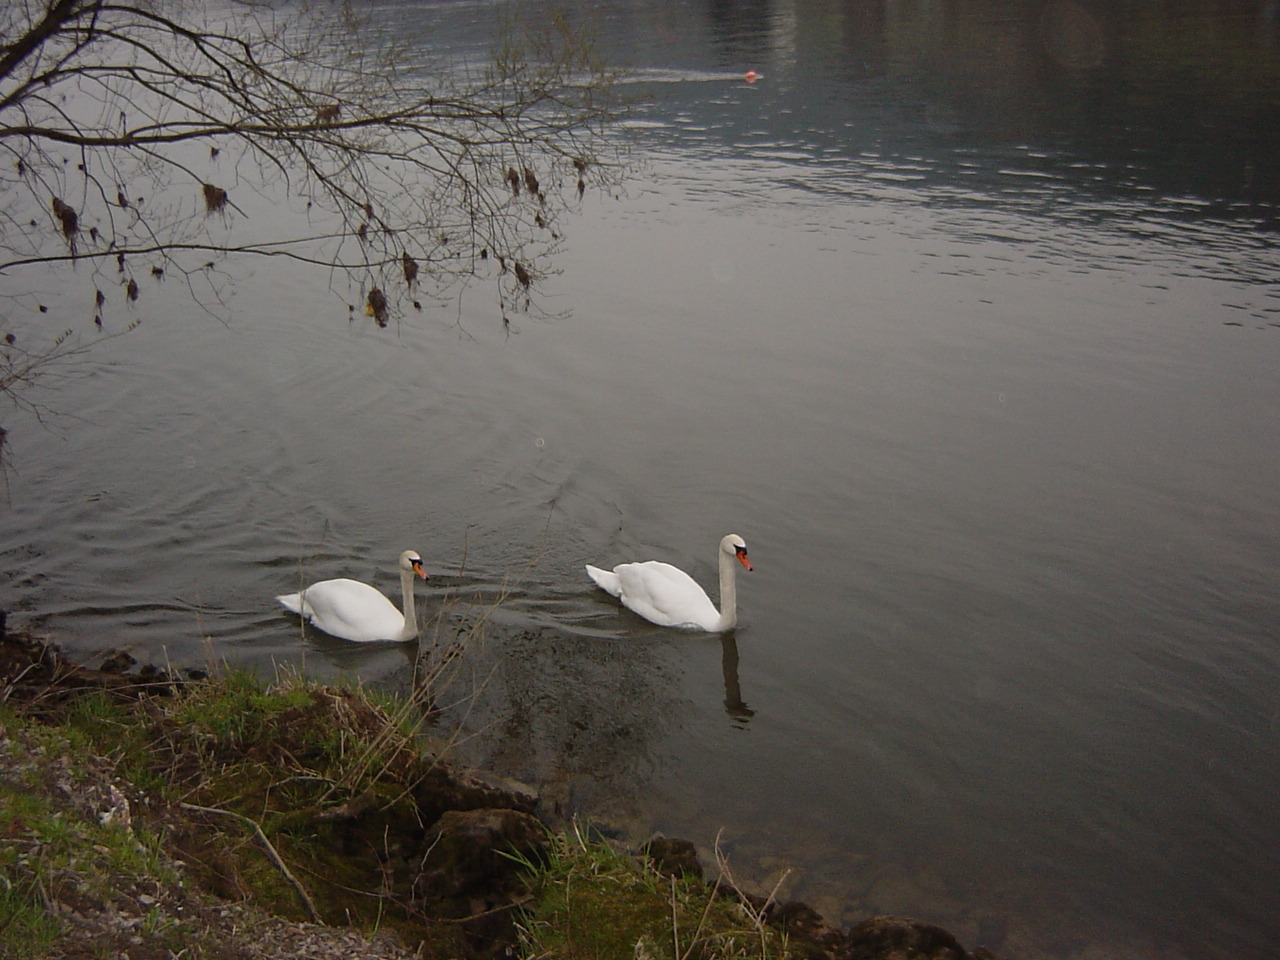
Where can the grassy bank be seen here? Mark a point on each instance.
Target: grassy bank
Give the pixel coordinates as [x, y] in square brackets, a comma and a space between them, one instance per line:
[225, 818]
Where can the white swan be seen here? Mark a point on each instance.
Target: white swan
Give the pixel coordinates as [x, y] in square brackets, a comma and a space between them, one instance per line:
[669, 597]
[356, 611]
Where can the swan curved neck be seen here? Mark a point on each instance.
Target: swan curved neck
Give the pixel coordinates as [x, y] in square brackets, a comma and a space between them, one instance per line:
[410, 614]
[728, 593]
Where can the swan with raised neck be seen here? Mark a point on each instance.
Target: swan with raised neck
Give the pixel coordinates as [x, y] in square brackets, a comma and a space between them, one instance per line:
[356, 611]
[669, 597]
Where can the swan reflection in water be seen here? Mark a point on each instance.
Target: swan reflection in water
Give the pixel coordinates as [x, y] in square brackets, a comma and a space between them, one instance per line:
[668, 596]
[734, 706]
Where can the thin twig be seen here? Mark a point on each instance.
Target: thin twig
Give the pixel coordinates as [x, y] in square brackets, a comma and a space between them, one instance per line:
[274, 857]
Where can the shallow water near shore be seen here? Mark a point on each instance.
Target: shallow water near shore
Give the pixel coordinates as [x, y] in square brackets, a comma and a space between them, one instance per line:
[967, 320]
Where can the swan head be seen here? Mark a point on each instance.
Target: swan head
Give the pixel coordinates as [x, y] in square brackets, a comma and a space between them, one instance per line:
[736, 547]
[410, 562]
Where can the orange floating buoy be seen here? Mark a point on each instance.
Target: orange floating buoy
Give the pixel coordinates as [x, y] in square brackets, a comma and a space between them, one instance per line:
[751, 76]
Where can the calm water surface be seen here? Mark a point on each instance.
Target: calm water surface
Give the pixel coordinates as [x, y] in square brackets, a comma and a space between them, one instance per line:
[965, 316]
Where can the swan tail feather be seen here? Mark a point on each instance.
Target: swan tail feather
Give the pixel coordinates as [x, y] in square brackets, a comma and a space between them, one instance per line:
[291, 602]
[606, 580]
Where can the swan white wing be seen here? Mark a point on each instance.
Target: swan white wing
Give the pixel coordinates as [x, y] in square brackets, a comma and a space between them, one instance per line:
[665, 595]
[348, 609]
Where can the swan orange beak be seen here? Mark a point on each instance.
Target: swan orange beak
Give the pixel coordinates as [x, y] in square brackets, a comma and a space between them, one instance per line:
[417, 568]
[742, 558]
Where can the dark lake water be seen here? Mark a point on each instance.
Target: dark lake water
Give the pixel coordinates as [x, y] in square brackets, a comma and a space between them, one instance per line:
[965, 315]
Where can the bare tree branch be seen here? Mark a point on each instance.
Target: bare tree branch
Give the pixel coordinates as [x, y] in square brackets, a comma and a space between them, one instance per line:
[392, 167]
[155, 138]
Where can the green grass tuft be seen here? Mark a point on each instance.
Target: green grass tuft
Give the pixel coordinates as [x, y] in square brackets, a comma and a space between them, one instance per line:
[27, 931]
[592, 902]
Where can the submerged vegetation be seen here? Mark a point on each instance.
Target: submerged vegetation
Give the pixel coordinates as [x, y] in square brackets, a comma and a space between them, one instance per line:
[223, 817]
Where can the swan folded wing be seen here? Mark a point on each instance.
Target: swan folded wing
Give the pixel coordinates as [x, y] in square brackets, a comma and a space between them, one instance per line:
[351, 610]
[665, 595]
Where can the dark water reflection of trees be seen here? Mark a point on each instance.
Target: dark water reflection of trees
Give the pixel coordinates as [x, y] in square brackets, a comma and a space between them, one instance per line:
[1180, 97]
